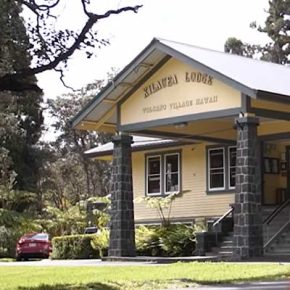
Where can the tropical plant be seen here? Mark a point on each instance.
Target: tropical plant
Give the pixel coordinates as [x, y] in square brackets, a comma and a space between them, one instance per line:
[162, 204]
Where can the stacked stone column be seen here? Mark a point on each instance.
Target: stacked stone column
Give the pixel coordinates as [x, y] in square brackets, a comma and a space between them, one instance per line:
[122, 232]
[248, 226]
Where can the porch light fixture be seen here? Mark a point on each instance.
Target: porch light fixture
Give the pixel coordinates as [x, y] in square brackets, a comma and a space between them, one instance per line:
[180, 125]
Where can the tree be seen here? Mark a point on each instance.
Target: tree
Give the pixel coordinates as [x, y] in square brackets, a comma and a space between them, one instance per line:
[70, 176]
[236, 46]
[50, 48]
[277, 28]
[21, 112]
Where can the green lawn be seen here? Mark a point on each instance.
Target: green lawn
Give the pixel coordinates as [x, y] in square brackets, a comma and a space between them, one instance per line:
[136, 277]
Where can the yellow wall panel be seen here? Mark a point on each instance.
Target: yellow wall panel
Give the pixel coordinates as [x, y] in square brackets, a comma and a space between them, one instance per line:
[261, 104]
[194, 202]
[273, 127]
[177, 89]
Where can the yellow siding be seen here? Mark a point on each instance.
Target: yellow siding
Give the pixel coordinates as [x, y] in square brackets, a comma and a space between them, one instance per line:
[183, 96]
[195, 202]
[273, 127]
[270, 105]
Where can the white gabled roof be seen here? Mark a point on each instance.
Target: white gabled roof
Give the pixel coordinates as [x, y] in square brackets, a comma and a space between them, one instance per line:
[247, 75]
[140, 143]
[252, 73]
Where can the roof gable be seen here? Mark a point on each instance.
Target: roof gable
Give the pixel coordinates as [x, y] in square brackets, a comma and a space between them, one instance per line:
[244, 74]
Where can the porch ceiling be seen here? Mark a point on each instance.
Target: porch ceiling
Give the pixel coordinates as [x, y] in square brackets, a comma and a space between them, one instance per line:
[212, 131]
[217, 131]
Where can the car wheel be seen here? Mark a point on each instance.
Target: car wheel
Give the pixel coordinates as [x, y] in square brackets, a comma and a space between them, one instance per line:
[18, 258]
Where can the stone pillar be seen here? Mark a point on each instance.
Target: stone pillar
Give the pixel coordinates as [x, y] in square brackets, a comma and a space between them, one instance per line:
[122, 231]
[248, 224]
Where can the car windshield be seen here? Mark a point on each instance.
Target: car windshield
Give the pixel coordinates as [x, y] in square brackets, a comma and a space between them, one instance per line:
[42, 237]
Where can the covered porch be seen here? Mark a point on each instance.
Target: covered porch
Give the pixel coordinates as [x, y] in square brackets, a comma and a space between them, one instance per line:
[236, 107]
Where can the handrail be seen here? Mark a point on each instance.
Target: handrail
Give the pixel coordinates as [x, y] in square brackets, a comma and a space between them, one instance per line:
[277, 234]
[276, 211]
[226, 214]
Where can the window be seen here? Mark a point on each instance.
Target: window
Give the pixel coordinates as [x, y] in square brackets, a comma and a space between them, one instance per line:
[171, 165]
[216, 167]
[221, 168]
[232, 154]
[163, 173]
[154, 175]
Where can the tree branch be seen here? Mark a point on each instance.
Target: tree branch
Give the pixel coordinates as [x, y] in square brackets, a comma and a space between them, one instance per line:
[13, 81]
[80, 39]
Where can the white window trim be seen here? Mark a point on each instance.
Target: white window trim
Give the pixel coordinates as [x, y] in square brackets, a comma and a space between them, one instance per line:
[229, 167]
[164, 172]
[209, 171]
[147, 175]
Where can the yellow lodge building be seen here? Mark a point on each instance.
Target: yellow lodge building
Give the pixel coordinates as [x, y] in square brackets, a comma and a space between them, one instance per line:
[209, 126]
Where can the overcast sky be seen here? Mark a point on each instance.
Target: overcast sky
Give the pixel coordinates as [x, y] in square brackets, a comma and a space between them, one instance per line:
[205, 23]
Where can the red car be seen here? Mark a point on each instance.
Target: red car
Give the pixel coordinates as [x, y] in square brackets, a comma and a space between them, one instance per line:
[33, 245]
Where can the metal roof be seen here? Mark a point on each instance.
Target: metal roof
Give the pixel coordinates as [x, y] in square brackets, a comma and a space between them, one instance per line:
[139, 143]
[252, 73]
[245, 74]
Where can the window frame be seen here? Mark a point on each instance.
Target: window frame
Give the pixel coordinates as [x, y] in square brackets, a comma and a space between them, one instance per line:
[209, 169]
[162, 156]
[226, 161]
[165, 173]
[229, 167]
[147, 175]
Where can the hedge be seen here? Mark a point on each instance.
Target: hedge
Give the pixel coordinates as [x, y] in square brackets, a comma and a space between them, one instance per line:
[173, 240]
[74, 247]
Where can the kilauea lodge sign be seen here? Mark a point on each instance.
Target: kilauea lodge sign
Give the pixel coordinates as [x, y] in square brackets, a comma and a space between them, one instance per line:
[178, 90]
[173, 80]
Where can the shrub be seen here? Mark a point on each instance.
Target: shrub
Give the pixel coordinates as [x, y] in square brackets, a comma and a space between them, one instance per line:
[100, 242]
[177, 240]
[173, 240]
[13, 226]
[73, 247]
[147, 241]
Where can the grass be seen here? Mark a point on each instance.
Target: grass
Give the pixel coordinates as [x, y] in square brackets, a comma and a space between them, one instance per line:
[136, 277]
[7, 260]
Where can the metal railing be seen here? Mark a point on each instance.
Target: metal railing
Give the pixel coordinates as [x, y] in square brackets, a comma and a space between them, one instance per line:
[269, 219]
[276, 211]
[218, 222]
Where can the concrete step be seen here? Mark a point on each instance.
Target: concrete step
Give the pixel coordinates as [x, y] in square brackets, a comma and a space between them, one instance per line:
[227, 243]
[220, 254]
[228, 239]
[225, 249]
[280, 257]
[281, 241]
[280, 251]
[222, 248]
[281, 246]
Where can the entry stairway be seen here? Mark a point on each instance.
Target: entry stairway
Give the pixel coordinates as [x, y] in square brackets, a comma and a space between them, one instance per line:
[276, 231]
[225, 249]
